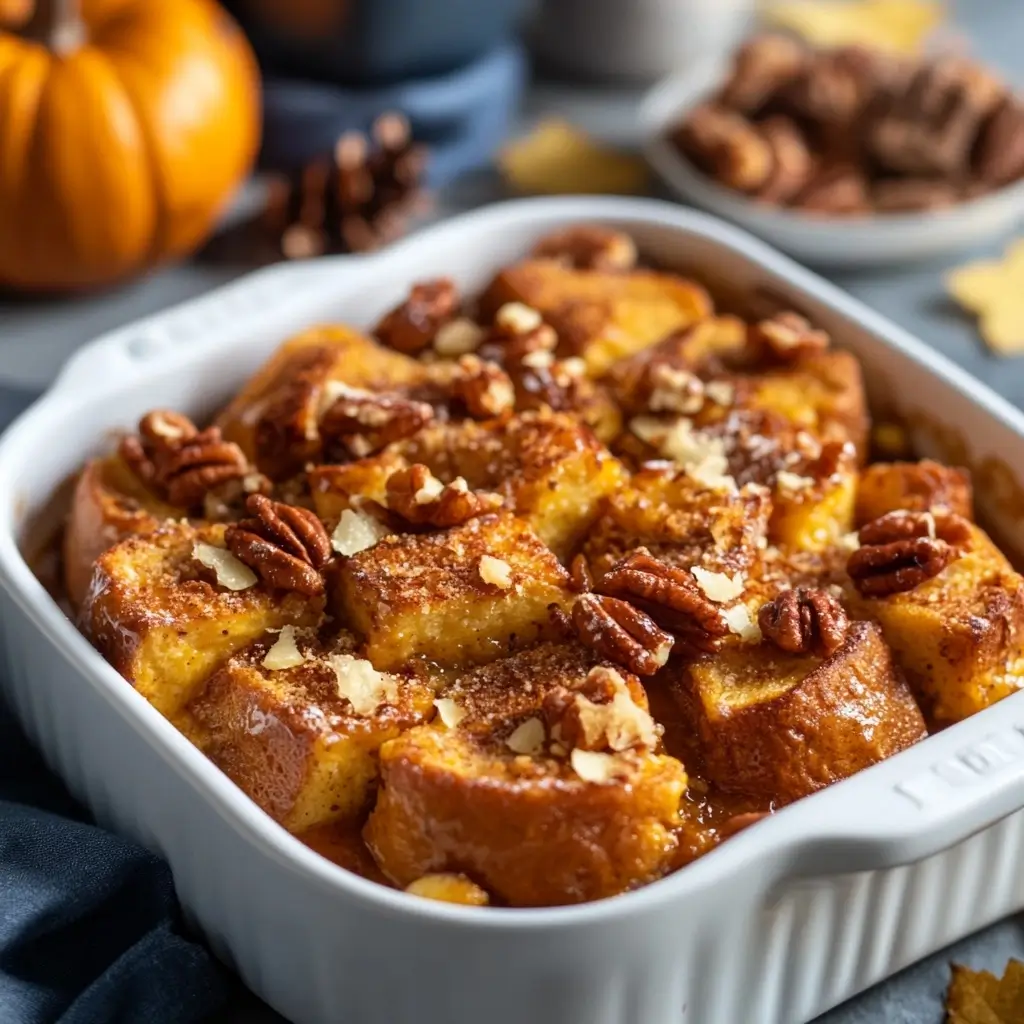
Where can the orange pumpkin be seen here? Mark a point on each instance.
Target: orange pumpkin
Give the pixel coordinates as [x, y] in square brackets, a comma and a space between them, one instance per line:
[125, 127]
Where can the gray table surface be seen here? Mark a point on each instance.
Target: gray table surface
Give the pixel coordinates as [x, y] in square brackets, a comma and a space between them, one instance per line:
[37, 336]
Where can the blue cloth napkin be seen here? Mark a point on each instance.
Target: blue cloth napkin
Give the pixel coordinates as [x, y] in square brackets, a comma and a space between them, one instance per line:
[90, 931]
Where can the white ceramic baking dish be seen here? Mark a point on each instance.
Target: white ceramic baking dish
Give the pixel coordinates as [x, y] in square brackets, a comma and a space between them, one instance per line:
[820, 241]
[787, 919]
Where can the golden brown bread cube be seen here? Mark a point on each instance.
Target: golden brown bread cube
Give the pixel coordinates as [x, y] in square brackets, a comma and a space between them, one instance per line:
[163, 620]
[469, 594]
[109, 504]
[959, 636]
[599, 315]
[680, 522]
[778, 726]
[333, 487]
[297, 726]
[813, 501]
[552, 471]
[274, 418]
[822, 393]
[916, 486]
[497, 797]
[706, 348]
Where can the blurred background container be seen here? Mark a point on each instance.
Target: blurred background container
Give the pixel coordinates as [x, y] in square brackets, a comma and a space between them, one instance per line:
[635, 40]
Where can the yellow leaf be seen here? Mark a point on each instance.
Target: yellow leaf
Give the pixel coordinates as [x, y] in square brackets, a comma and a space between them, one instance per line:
[994, 291]
[901, 26]
[556, 159]
[978, 997]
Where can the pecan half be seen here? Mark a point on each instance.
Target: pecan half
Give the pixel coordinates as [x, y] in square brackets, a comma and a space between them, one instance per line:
[561, 709]
[670, 596]
[787, 336]
[287, 546]
[359, 423]
[837, 189]
[804, 621]
[760, 69]
[484, 388]
[999, 153]
[901, 550]
[621, 633]
[420, 498]
[411, 326]
[180, 461]
[589, 247]
[792, 162]
[726, 146]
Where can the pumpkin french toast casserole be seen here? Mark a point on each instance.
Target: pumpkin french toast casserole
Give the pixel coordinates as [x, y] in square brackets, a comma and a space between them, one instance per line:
[531, 597]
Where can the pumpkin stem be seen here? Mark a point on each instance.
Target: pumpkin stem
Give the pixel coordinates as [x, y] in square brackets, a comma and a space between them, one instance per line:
[56, 24]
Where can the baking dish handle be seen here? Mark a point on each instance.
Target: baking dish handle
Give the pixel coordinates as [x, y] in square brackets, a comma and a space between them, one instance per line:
[123, 354]
[925, 800]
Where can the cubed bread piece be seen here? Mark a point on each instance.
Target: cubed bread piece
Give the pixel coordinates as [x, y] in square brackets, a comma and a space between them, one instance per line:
[553, 471]
[680, 522]
[706, 348]
[598, 315]
[274, 418]
[109, 504]
[959, 636]
[812, 484]
[333, 487]
[163, 620]
[777, 726]
[916, 486]
[813, 500]
[469, 594]
[297, 726]
[822, 393]
[496, 795]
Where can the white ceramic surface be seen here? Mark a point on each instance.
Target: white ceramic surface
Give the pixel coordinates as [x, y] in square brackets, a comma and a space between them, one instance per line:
[636, 40]
[790, 917]
[818, 241]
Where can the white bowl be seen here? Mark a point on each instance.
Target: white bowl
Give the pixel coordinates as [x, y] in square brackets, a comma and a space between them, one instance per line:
[820, 241]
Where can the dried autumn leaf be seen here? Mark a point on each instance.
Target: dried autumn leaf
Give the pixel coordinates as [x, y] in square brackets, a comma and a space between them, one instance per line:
[994, 291]
[901, 26]
[979, 997]
[557, 158]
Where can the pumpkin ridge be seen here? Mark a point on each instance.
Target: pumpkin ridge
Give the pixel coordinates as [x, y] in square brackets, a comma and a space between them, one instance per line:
[155, 176]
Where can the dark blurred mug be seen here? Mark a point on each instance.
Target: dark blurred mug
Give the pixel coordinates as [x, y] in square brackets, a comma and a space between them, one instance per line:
[374, 42]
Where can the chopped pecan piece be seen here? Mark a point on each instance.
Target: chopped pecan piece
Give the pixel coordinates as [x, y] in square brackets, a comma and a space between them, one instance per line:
[621, 633]
[411, 327]
[287, 546]
[589, 247]
[727, 146]
[804, 621]
[901, 550]
[182, 462]
[359, 423]
[598, 714]
[420, 498]
[672, 597]
[483, 387]
[787, 336]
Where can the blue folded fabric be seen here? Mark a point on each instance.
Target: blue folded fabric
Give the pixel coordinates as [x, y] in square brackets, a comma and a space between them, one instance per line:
[90, 930]
[462, 116]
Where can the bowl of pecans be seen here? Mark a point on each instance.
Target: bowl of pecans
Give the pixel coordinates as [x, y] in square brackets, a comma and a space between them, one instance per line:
[847, 156]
